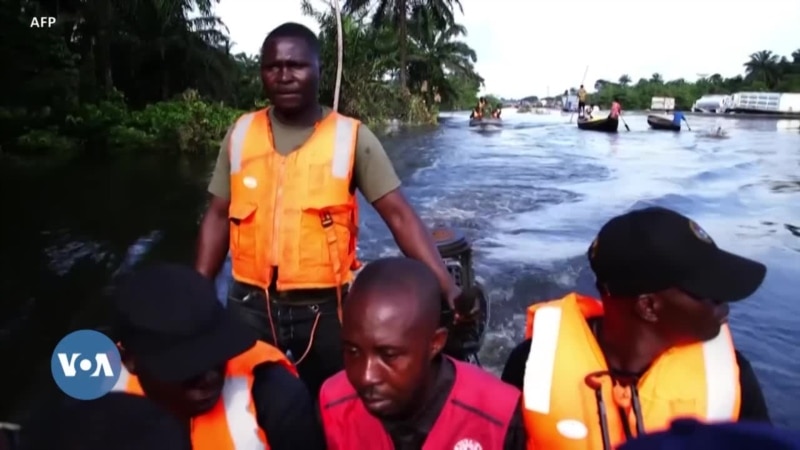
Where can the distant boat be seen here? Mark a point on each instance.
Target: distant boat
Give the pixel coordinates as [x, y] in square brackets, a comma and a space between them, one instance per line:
[662, 123]
[485, 122]
[603, 124]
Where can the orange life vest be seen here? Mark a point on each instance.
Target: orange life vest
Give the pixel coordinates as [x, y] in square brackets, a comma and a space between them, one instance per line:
[295, 212]
[231, 424]
[699, 381]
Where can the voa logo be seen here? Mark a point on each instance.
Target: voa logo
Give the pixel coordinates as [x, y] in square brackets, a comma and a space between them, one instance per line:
[86, 364]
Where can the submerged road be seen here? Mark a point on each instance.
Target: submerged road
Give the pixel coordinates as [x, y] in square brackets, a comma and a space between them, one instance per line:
[530, 196]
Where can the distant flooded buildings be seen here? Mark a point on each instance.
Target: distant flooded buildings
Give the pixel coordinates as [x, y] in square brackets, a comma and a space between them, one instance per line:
[774, 103]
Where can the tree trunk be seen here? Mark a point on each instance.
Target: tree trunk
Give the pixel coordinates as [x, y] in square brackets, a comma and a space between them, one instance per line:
[164, 72]
[103, 48]
[403, 47]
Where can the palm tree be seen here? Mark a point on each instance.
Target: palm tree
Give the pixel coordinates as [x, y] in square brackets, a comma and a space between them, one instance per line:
[625, 80]
[657, 79]
[600, 84]
[435, 54]
[369, 55]
[763, 66]
[163, 34]
[396, 13]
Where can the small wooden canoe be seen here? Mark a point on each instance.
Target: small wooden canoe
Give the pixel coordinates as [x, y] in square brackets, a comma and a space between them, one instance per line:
[603, 124]
[485, 122]
[662, 123]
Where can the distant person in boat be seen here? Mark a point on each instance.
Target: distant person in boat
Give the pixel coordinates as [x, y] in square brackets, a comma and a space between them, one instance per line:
[616, 109]
[183, 350]
[664, 290]
[678, 117]
[477, 112]
[588, 112]
[581, 101]
[397, 390]
[116, 421]
[497, 111]
[292, 236]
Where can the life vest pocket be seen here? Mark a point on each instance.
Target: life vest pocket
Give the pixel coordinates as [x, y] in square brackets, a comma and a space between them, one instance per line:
[329, 231]
[243, 230]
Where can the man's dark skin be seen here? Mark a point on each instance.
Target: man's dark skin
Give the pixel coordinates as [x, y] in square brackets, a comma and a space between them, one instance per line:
[392, 343]
[662, 320]
[290, 76]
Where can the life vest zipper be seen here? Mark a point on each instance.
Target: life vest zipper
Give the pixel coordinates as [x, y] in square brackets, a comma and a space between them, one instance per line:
[276, 214]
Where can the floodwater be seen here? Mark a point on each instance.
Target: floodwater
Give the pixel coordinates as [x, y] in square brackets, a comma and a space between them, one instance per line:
[530, 196]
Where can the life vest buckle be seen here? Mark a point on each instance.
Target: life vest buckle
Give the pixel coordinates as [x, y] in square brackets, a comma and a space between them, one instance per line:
[326, 219]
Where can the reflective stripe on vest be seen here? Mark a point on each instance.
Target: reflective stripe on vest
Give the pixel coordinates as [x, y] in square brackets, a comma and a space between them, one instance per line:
[231, 424]
[295, 211]
[471, 418]
[699, 380]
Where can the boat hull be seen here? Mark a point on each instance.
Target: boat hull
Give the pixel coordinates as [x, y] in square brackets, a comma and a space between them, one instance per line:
[662, 123]
[604, 125]
[485, 122]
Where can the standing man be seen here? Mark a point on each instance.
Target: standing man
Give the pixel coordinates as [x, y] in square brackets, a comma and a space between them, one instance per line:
[616, 109]
[581, 101]
[678, 117]
[283, 201]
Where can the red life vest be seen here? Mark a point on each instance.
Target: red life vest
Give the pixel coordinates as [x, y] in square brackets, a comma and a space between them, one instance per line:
[476, 414]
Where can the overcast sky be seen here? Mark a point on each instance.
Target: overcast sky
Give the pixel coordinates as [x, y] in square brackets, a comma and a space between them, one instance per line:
[527, 47]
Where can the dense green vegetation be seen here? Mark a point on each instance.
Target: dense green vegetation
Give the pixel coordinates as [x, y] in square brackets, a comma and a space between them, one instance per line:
[115, 75]
[764, 71]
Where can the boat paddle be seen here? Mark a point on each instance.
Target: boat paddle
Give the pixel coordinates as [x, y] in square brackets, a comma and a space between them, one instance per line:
[687, 124]
[624, 123]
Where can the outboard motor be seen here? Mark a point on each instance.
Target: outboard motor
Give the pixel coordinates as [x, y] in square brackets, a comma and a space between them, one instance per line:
[465, 340]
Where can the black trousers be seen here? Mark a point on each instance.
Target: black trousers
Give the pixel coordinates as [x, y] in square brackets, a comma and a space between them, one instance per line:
[304, 324]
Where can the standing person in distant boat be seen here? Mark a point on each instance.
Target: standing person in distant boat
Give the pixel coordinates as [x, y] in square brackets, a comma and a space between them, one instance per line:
[616, 109]
[678, 117]
[581, 101]
[283, 201]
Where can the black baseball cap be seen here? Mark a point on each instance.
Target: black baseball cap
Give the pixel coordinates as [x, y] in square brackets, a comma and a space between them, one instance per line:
[652, 249]
[169, 318]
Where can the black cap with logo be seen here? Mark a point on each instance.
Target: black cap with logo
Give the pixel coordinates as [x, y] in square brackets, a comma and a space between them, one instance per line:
[652, 249]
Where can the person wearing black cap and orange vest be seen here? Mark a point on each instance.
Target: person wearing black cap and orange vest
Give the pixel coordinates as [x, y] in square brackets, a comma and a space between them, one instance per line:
[184, 351]
[657, 347]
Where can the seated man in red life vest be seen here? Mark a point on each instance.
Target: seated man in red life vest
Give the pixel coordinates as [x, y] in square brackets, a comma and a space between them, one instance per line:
[397, 390]
[184, 351]
[597, 374]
